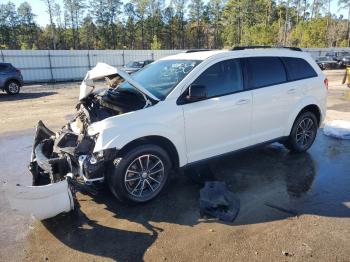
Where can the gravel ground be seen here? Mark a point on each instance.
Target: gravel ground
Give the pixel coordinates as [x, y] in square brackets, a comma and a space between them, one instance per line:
[293, 207]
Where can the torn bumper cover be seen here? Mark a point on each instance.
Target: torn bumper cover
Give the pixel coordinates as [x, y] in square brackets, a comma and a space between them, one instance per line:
[41, 201]
[60, 165]
[48, 196]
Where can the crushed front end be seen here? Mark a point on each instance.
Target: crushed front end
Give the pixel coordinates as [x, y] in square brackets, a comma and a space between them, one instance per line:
[65, 153]
[63, 162]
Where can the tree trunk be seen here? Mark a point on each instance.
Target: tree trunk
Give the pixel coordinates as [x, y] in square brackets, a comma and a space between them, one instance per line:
[304, 11]
[349, 26]
[73, 31]
[77, 29]
[53, 37]
[198, 22]
[142, 34]
[286, 24]
[113, 32]
[182, 32]
[298, 10]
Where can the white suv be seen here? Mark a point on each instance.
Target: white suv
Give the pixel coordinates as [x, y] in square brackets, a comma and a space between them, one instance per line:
[178, 111]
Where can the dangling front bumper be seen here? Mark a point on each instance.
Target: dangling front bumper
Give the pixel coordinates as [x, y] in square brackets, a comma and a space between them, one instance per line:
[41, 202]
[48, 196]
[61, 164]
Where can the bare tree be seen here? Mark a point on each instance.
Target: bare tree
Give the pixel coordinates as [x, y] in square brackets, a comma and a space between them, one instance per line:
[140, 11]
[74, 9]
[114, 10]
[50, 10]
[196, 8]
[180, 7]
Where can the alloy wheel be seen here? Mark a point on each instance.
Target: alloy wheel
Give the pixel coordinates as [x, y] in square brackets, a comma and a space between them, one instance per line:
[13, 88]
[305, 132]
[144, 176]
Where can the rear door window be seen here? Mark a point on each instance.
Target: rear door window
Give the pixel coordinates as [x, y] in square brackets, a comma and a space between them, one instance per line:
[298, 68]
[265, 71]
[222, 78]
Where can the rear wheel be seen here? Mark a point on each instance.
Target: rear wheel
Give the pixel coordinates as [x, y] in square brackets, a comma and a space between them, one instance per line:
[303, 133]
[140, 174]
[12, 87]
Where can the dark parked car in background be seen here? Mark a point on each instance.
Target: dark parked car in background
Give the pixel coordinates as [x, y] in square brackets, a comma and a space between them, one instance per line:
[342, 57]
[327, 63]
[135, 66]
[11, 79]
[345, 61]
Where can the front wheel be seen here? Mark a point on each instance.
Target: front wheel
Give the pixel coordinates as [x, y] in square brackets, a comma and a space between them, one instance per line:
[140, 174]
[303, 133]
[12, 88]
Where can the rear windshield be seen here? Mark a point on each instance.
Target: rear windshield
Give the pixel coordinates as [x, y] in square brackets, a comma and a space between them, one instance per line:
[298, 68]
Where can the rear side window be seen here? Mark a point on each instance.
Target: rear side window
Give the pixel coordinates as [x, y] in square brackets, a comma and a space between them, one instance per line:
[265, 71]
[298, 68]
[222, 78]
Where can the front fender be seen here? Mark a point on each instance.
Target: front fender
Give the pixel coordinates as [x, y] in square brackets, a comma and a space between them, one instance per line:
[302, 103]
[117, 138]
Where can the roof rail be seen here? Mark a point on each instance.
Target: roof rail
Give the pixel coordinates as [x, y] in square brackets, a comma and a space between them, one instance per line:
[197, 50]
[236, 48]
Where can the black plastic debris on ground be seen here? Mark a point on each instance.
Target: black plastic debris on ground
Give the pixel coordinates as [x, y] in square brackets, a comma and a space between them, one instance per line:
[218, 202]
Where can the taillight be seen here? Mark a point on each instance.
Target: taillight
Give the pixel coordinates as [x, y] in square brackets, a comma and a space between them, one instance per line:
[326, 83]
[19, 71]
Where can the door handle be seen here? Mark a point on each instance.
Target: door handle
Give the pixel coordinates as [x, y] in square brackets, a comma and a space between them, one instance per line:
[242, 102]
[291, 91]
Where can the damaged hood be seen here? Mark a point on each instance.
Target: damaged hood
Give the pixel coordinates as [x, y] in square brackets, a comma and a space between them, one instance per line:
[102, 70]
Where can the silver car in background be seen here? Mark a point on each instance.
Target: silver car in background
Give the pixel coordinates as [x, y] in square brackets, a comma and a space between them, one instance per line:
[135, 66]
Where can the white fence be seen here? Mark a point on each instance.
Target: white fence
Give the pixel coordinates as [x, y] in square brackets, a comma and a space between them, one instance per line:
[67, 65]
[316, 52]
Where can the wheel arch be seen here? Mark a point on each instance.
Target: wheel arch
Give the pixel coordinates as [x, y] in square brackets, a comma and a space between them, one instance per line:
[314, 109]
[310, 107]
[12, 80]
[160, 141]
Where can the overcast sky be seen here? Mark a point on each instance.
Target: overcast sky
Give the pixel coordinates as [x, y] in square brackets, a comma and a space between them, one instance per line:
[42, 17]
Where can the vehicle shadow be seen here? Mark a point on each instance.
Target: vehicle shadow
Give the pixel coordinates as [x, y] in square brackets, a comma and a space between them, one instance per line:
[22, 96]
[271, 183]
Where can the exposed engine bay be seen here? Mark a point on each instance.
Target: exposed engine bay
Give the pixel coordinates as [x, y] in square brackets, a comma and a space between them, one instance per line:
[69, 151]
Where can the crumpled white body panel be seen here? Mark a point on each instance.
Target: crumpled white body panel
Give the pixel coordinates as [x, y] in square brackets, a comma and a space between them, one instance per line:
[42, 202]
[338, 129]
[102, 70]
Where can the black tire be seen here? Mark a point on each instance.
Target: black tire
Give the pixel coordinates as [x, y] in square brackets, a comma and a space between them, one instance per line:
[117, 174]
[12, 87]
[301, 140]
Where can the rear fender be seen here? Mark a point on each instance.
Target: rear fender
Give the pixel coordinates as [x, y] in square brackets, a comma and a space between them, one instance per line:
[293, 115]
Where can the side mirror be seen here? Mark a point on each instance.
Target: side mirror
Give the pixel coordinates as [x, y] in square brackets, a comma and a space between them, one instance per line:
[197, 93]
